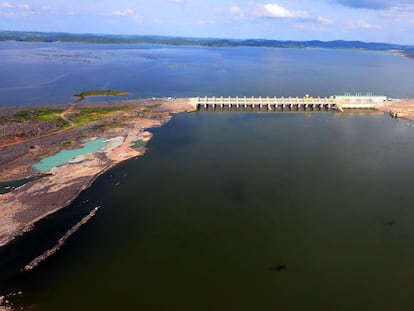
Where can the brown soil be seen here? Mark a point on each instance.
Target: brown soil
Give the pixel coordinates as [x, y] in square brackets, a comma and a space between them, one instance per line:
[24, 206]
[401, 109]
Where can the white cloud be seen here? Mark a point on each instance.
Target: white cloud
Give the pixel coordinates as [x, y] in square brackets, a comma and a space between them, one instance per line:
[24, 6]
[205, 22]
[124, 12]
[274, 10]
[138, 19]
[17, 10]
[177, 1]
[361, 25]
[6, 5]
[235, 10]
[127, 13]
[29, 13]
[309, 27]
[324, 21]
[21, 6]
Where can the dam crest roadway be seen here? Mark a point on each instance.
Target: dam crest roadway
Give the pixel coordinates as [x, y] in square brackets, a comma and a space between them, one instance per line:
[338, 102]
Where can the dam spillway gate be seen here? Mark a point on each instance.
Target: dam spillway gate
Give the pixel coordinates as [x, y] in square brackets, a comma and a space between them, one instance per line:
[280, 103]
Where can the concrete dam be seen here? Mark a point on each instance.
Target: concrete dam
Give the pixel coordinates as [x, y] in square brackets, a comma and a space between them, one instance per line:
[338, 102]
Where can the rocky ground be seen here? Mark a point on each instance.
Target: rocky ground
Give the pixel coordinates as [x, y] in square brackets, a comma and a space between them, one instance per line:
[21, 208]
[400, 109]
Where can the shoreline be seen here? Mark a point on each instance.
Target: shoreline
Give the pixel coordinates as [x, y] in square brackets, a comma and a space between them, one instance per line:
[24, 206]
[403, 109]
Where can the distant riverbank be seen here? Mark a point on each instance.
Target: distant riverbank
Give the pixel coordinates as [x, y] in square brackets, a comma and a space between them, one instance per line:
[25, 36]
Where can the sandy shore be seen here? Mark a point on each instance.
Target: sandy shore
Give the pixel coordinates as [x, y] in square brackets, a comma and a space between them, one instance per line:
[400, 109]
[24, 206]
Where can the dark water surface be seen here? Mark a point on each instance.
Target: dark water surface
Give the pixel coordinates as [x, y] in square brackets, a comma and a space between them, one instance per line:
[232, 210]
[244, 211]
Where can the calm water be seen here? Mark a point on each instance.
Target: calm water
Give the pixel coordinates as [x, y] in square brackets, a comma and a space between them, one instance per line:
[39, 73]
[243, 211]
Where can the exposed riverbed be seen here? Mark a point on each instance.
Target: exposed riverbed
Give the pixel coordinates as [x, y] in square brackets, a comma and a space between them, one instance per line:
[71, 171]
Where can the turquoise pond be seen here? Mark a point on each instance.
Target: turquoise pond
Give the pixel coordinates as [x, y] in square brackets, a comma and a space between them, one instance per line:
[64, 156]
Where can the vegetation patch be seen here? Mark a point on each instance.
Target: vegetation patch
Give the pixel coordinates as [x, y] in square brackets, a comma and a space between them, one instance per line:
[138, 143]
[85, 94]
[41, 115]
[108, 125]
[88, 115]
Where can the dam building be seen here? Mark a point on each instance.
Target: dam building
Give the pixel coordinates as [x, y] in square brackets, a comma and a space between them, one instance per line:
[338, 102]
[360, 98]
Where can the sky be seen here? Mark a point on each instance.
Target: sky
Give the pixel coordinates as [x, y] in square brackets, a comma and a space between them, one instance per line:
[365, 20]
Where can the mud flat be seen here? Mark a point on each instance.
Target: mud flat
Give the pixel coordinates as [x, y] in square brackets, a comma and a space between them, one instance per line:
[22, 207]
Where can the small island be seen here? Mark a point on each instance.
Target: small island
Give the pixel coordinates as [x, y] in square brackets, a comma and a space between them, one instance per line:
[86, 94]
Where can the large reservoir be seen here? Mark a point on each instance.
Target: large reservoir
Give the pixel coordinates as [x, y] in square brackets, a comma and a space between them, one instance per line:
[39, 73]
[232, 210]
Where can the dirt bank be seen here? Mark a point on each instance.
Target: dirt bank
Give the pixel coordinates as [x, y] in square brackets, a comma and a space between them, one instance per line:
[24, 206]
[400, 109]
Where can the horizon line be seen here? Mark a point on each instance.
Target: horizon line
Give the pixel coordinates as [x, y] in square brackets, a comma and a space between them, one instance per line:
[202, 38]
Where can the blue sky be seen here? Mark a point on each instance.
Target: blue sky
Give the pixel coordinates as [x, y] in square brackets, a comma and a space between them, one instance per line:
[366, 20]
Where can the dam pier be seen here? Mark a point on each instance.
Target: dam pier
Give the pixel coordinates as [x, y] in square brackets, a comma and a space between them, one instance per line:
[338, 102]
